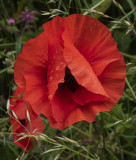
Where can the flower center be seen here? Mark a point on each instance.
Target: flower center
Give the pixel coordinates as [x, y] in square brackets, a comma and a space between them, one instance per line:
[22, 121]
[70, 81]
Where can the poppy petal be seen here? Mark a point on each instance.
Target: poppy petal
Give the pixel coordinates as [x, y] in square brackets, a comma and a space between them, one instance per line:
[15, 101]
[36, 126]
[33, 53]
[83, 96]
[73, 117]
[30, 128]
[80, 68]
[56, 68]
[86, 112]
[25, 144]
[21, 111]
[17, 93]
[56, 63]
[113, 79]
[31, 125]
[36, 90]
[54, 29]
[62, 103]
[93, 40]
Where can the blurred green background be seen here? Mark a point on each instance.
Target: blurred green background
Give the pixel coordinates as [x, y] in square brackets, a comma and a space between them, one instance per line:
[113, 134]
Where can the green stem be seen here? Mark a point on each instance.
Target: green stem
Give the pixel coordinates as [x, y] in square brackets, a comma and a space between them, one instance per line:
[78, 3]
[59, 4]
[94, 7]
[131, 12]
[128, 56]
[79, 130]
[65, 147]
[98, 4]
[74, 154]
[89, 136]
[130, 88]
[9, 44]
[119, 143]
[47, 4]
[86, 4]
[113, 156]
[132, 6]
[90, 130]
[105, 132]
[102, 122]
[65, 8]
[129, 153]
[4, 70]
[13, 150]
[5, 9]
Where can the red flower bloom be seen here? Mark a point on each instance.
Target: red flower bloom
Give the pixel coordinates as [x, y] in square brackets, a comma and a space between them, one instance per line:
[24, 120]
[71, 71]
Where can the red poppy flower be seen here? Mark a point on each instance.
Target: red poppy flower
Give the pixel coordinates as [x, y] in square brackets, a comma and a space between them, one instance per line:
[71, 71]
[24, 120]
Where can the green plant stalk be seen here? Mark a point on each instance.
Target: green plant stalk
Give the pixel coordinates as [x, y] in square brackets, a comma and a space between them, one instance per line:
[5, 9]
[130, 88]
[9, 44]
[119, 143]
[65, 8]
[128, 56]
[79, 130]
[122, 10]
[74, 154]
[78, 157]
[105, 131]
[69, 4]
[132, 72]
[128, 104]
[129, 20]
[86, 4]
[78, 3]
[59, 4]
[102, 121]
[46, 2]
[129, 153]
[132, 6]
[113, 156]
[65, 147]
[98, 4]
[127, 96]
[131, 12]
[94, 7]
[72, 146]
[90, 130]
[13, 150]
[89, 136]
[4, 70]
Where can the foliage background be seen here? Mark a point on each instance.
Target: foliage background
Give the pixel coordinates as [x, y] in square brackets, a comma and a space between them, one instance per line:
[113, 134]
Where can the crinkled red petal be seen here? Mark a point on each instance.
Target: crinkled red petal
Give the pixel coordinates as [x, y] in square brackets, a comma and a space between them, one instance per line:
[83, 96]
[62, 103]
[34, 53]
[26, 144]
[56, 64]
[113, 79]
[80, 68]
[27, 121]
[93, 40]
[36, 91]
